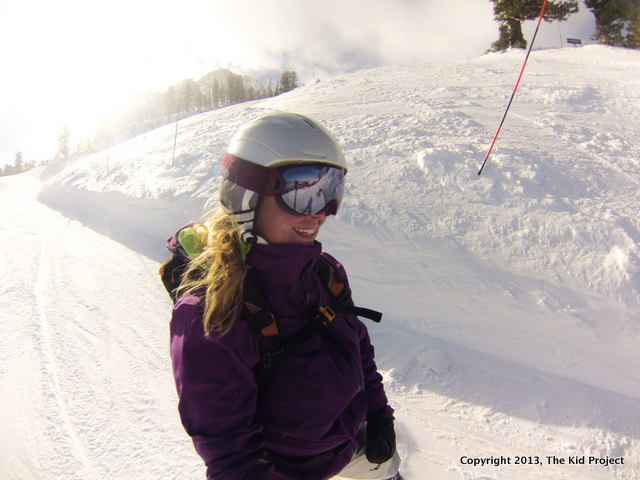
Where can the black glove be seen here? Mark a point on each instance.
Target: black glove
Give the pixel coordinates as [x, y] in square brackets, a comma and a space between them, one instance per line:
[381, 440]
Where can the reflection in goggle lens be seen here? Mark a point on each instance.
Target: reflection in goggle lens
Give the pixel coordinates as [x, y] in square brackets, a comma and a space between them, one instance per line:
[311, 189]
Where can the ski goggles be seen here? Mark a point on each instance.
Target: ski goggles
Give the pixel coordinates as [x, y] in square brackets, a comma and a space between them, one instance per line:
[302, 188]
[311, 189]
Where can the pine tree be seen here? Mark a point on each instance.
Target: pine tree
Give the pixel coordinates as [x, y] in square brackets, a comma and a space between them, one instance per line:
[284, 82]
[171, 100]
[197, 97]
[18, 164]
[235, 89]
[242, 93]
[633, 28]
[617, 22]
[609, 15]
[288, 81]
[511, 14]
[215, 93]
[293, 79]
[64, 141]
[187, 94]
[504, 39]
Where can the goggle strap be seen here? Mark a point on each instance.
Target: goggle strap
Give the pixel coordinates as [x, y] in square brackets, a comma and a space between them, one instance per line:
[249, 175]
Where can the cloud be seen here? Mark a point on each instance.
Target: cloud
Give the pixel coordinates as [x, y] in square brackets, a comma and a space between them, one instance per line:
[335, 36]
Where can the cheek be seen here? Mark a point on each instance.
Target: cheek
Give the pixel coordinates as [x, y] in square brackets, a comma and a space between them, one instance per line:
[274, 224]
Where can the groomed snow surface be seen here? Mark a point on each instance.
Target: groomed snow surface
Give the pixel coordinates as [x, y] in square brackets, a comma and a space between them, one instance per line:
[511, 299]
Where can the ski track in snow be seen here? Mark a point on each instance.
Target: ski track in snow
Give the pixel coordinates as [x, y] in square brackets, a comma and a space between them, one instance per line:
[88, 378]
[511, 300]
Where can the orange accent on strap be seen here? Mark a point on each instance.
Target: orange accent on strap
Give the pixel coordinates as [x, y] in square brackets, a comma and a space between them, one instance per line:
[252, 308]
[161, 271]
[271, 330]
[334, 285]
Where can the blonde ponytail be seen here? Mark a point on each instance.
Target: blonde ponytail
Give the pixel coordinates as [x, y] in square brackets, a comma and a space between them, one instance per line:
[223, 275]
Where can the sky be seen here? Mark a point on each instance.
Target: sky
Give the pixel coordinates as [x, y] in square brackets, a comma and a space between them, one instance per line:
[75, 61]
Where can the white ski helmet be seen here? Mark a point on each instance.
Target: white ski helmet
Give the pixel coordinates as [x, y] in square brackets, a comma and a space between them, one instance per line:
[257, 150]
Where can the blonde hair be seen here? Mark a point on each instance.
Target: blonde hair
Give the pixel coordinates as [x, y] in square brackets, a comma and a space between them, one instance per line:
[224, 271]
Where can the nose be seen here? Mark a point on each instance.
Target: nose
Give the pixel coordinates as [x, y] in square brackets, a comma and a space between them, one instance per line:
[331, 208]
[317, 219]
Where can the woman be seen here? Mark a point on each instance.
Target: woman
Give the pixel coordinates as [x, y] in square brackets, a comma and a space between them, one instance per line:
[314, 407]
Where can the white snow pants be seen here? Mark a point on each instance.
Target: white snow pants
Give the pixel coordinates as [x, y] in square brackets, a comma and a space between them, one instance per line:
[359, 467]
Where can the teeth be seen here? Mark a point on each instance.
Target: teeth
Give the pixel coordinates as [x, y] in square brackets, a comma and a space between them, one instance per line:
[306, 233]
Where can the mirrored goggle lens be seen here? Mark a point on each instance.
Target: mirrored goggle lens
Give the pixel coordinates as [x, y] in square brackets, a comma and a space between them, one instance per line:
[311, 189]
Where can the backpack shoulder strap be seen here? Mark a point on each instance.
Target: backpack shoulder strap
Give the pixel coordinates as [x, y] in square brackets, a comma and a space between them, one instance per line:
[339, 290]
[335, 287]
[263, 323]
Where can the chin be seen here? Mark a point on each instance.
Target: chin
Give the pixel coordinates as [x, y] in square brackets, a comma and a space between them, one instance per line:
[306, 241]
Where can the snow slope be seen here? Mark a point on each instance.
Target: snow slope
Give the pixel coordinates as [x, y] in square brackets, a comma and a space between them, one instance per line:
[511, 299]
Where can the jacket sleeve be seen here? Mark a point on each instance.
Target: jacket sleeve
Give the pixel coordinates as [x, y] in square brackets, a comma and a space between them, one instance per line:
[377, 403]
[218, 396]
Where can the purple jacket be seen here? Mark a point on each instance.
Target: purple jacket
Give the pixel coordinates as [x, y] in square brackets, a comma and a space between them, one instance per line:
[303, 423]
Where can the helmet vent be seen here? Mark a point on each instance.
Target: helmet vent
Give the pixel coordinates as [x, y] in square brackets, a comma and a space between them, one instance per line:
[315, 155]
[309, 123]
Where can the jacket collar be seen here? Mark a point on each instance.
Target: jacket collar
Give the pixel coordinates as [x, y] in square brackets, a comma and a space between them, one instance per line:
[282, 263]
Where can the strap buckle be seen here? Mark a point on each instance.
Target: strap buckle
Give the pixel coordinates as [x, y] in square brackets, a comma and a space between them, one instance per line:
[328, 313]
[271, 358]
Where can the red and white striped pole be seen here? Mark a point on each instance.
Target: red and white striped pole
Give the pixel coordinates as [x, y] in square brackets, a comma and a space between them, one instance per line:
[516, 88]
